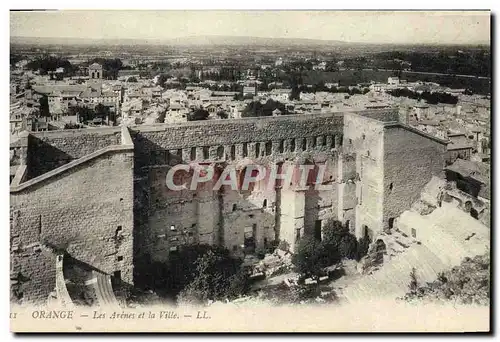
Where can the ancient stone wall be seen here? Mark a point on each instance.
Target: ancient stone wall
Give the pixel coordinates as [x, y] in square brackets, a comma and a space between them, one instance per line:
[87, 211]
[219, 140]
[411, 158]
[49, 150]
[224, 216]
[363, 173]
[121, 198]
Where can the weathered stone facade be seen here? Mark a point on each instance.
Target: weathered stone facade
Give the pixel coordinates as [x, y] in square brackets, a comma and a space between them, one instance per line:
[84, 208]
[101, 195]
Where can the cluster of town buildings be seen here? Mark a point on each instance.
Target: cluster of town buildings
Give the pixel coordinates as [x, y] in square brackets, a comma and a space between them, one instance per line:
[134, 100]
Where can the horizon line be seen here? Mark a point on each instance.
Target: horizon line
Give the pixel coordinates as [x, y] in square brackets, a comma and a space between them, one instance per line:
[259, 37]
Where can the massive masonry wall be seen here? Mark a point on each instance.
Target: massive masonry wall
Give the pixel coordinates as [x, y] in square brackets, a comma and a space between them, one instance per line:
[49, 150]
[364, 151]
[232, 139]
[224, 216]
[86, 210]
[411, 158]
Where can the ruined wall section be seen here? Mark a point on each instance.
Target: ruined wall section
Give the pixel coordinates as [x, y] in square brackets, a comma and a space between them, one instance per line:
[49, 150]
[411, 158]
[86, 210]
[177, 218]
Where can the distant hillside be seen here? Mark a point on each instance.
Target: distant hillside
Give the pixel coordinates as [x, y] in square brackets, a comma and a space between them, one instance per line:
[186, 41]
[233, 40]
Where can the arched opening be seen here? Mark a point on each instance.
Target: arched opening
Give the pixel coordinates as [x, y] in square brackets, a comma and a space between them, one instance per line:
[391, 186]
[193, 153]
[391, 222]
[233, 152]
[366, 233]
[205, 152]
[245, 150]
[269, 148]
[220, 152]
[234, 207]
[474, 213]
[468, 206]
[264, 204]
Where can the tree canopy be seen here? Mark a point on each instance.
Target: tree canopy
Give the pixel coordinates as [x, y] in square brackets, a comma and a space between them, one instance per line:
[198, 114]
[197, 273]
[255, 108]
[311, 257]
[50, 63]
[217, 276]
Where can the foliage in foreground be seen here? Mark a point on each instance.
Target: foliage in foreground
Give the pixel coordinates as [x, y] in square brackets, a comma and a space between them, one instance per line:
[312, 255]
[468, 283]
[217, 276]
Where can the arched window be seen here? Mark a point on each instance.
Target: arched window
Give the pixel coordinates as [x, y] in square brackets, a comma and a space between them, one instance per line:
[264, 204]
[245, 150]
[233, 152]
[193, 153]
[269, 148]
[220, 152]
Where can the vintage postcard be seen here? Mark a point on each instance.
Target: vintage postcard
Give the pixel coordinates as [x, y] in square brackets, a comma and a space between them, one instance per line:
[250, 171]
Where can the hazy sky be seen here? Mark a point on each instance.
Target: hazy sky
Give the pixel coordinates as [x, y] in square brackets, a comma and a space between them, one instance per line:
[376, 27]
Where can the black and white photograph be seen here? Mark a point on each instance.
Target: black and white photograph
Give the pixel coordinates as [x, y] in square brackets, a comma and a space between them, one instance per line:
[250, 170]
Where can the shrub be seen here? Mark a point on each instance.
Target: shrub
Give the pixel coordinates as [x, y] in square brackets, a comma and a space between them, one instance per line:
[311, 258]
[283, 245]
[216, 276]
[338, 240]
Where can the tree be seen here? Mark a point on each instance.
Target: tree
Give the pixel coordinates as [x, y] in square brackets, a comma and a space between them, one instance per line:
[84, 114]
[468, 283]
[101, 109]
[44, 106]
[255, 108]
[222, 114]
[162, 79]
[311, 258]
[338, 240]
[51, 63]
[413, 285]
[198, 114]
[217, 276]
[295, 93]
[132, 79]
